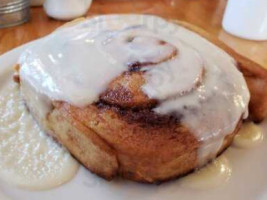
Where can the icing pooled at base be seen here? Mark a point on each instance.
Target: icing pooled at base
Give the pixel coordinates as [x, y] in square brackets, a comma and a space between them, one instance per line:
[28, 158]
[215, 174]
[187, 74]
[249, 135]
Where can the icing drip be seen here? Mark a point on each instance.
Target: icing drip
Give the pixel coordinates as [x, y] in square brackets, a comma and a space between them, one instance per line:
[215, 174]
[249, 135]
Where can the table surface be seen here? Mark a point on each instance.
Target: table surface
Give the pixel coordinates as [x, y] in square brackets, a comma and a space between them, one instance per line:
[203, 13]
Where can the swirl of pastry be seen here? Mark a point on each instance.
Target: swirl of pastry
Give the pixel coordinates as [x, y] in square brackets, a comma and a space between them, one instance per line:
[131, 97]
[143, 52]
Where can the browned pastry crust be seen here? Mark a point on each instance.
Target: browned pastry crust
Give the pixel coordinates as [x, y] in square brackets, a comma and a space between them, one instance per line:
[121, 135]
[125, 91]
[144, 151]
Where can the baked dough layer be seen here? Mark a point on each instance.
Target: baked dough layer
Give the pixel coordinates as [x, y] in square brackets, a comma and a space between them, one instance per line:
[115, 138]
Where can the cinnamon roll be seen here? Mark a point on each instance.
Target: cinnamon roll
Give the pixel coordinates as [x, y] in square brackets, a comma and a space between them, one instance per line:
[138, 96]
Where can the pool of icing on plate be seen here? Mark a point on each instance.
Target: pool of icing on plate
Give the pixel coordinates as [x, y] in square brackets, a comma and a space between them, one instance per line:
[218, 172]
[249, 135]
[28, 157]
[213, 175]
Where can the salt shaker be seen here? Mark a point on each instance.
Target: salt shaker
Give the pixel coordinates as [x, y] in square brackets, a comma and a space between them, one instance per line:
[14, 12]
[66, 9]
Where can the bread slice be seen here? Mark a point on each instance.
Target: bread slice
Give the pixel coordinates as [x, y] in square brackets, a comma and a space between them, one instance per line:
[140, 146]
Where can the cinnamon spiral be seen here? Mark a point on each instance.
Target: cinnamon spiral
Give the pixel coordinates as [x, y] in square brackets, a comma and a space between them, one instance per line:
[152, 103]
[140, 53]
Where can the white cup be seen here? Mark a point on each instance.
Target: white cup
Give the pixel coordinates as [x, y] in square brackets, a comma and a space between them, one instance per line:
[246, 19]
[66, 9]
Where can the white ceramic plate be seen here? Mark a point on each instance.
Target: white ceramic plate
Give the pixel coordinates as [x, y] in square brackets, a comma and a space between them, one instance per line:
[248, 180]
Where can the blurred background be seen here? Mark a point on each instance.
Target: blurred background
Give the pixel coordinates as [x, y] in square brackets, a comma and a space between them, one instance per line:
[35, 21]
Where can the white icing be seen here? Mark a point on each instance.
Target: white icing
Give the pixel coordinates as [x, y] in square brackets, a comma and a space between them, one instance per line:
[38, 104]
[70, 65]
[162, 80]
[201, 83]
[28, 158]
[141, 49]
[214, 175]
